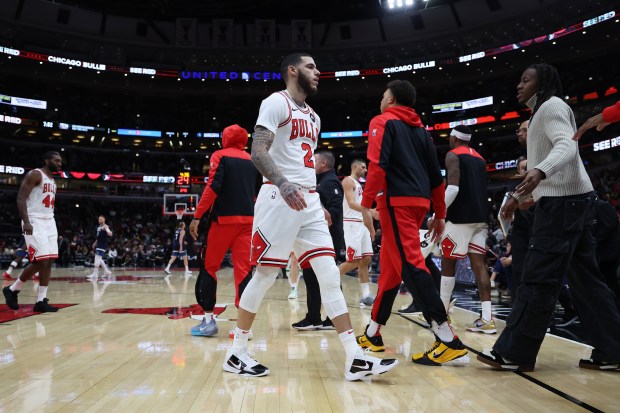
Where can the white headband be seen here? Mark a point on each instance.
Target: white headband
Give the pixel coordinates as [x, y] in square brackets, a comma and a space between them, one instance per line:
[460, 135]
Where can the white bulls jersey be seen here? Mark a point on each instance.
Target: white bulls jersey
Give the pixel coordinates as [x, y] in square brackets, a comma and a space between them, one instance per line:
[297, 131]
[349, 214]
[40, 202]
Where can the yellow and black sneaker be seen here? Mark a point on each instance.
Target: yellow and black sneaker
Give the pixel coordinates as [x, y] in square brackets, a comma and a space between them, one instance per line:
[442, 353]
[422, 354]
[374, 344]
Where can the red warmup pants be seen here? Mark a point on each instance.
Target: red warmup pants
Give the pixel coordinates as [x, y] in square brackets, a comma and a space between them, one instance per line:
[238, 238]
[401, 260]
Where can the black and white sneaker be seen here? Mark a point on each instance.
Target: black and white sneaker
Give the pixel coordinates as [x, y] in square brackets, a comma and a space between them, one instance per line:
[240, 362]
[306, 324]
[327, 325]
[412, 309]
[10, 298]
[363, 365]
[496, 361]
[593, 364]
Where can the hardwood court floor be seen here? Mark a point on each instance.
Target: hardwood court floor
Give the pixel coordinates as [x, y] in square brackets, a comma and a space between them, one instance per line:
[83, 360]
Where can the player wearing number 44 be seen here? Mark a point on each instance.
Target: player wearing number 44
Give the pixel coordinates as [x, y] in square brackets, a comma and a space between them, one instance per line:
[35, 202]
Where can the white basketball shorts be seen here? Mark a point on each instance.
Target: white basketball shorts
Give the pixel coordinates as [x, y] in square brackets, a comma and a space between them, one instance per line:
[357, 240]
[278, 229]
[461, 239]
[43, 243]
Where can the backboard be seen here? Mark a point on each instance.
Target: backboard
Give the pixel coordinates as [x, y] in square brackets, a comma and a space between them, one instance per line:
[173, 201]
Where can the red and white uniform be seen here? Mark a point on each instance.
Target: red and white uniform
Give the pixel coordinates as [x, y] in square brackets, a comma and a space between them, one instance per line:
[43, 243]
[356, 235]
[349, 214]
[277, 229]
[297, 131]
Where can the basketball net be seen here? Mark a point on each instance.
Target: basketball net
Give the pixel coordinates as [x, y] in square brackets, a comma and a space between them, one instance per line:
[179, 213]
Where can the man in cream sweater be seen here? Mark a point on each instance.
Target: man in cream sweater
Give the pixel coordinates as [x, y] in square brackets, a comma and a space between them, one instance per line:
[561, 242]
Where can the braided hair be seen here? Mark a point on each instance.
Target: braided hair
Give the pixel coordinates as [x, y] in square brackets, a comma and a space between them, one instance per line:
[549, 83]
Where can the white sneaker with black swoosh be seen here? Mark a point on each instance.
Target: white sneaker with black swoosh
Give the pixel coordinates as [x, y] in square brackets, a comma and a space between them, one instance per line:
[241, 362]
[363, 365]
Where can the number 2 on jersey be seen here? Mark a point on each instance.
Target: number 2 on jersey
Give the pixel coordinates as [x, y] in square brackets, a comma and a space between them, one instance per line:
[48, 201]
[308, 161]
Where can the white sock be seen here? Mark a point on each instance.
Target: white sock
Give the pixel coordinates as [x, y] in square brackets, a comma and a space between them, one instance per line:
[105, 267]
[187, 269]
[13, 265]
[240, 341]
[486, 311]
[291, 283]
[365, 289]
[447, 286]
[167, 268]
[347, 338]
[17, 285]
[373, 328]
[42, 293]
[443, 331]
[209, 316]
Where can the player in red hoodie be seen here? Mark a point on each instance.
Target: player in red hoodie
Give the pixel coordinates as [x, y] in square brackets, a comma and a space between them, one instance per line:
[404, 166]
[228, 201]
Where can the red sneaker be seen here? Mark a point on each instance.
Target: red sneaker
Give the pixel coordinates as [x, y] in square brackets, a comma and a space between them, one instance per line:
[7, 276]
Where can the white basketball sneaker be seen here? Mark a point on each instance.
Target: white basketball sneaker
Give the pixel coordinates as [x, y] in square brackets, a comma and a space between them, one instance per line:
[241, 362]
[363, 365]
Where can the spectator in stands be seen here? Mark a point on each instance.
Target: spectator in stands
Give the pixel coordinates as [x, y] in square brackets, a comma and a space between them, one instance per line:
[112, 255]
[64, 256]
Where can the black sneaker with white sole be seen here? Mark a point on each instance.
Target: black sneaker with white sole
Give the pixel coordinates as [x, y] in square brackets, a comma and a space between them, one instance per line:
[594, 364]
[327, 325]
[306, 324]
[496, 361]
[409, 310]
[240, 362]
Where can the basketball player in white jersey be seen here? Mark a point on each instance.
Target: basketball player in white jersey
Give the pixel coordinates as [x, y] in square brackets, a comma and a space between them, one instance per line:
[288, 216]
[35, 202]
[356, 235]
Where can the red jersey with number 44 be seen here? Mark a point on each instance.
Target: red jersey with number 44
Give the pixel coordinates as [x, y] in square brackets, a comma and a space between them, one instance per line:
[40, 202]
[297, 131]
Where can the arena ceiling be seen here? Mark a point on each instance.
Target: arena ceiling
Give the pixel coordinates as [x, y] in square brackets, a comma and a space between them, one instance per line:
[247, 10]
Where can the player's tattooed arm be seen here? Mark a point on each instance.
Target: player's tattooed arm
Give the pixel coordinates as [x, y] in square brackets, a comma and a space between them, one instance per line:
[263, 139]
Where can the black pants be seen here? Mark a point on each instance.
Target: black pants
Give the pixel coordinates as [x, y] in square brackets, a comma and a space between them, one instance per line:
[435, 273]
[609, 269]
[519, 242]
[313, 294]
[561, 237]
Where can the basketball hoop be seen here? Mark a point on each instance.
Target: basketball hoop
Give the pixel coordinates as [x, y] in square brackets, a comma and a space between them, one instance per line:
[179, 213]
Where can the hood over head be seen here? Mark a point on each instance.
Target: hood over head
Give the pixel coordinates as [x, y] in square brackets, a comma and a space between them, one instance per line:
[234, 136]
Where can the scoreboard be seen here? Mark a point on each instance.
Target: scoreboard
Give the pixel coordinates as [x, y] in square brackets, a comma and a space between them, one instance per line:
[183, 182]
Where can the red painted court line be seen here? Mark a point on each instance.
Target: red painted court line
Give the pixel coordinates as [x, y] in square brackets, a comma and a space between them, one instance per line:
[25, 310]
